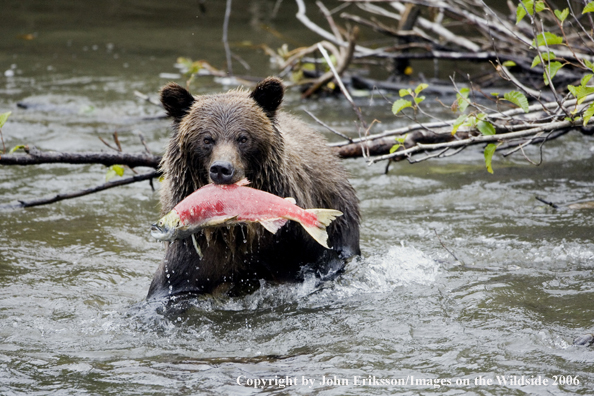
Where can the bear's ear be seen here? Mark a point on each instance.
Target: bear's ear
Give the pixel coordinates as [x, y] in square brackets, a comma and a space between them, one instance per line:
[176, 100]
[269, 95]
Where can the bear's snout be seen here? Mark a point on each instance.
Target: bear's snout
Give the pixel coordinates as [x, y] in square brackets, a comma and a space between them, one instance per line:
[221, 172]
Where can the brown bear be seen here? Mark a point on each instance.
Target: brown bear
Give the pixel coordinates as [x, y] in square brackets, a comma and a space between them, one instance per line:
[224, 138]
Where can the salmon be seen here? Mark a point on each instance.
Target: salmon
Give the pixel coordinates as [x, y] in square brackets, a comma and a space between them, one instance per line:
[216, 205]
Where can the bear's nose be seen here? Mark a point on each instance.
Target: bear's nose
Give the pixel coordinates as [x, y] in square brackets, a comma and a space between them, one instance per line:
[221, 172]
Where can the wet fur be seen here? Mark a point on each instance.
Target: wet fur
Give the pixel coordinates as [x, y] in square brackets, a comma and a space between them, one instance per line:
[282, 156]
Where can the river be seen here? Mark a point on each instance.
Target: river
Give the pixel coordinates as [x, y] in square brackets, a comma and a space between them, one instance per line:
[405, 318]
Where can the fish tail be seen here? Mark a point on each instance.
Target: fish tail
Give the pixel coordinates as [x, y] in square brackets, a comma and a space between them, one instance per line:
[325, 217]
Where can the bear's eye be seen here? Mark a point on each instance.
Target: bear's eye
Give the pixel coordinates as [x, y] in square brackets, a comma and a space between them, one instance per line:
[208, 140]
[242, 139]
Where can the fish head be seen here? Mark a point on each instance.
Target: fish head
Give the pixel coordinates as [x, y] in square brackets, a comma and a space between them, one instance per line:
[166, 229]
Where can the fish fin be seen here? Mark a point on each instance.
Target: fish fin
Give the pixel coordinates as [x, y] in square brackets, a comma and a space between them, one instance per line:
[319, 234]
[243, 182]
[217, 221]
[273, 225]
[196, 246]
[325, 217]
[292, 200]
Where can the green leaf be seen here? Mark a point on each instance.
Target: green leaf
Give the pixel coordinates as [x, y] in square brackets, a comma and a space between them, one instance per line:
[186, 62]
[420, 87]
[496, 94]
[459, 121]
[489, 151]
[589, 64]
[547, 38]
[119, 169]
[470, 122]
[552, 68]
[561, 15]
[509, 63]
[4, 117]
[87, 109]
[419, 99]
[400, 105]
[333, 60]
[486, 128]
[113, 171]
[580, 92]
[547, 56]
[521, 11]
[110, 174]
[586, 79]
[15, 148]
[404, 92]
[588, 113]
[401, 139]
[518, 99]
[462, 98]
[588, 8]
[395, 147]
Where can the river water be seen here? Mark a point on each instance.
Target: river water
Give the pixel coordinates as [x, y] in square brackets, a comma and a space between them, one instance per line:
[405, 317]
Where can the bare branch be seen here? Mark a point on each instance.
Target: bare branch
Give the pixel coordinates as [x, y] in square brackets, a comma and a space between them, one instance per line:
[473, 140]
[116, 183]
[225, 39]
[316, 119]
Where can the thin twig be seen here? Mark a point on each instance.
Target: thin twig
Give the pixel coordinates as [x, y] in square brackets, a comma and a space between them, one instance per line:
[3, 146]
[225, 40]
[117, 141]
[108, 145]
[343, 89]
[329, 127]
[547, 202]
[444, 246]
[143, 141]
[147, 99]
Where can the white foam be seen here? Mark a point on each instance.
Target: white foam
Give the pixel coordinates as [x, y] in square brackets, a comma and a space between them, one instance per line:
[384, 271]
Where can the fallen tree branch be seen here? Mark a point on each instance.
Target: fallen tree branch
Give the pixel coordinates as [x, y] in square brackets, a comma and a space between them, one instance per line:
[324, 33]
[473, 140]
[34, 156]
[61, 197]
[505, 115]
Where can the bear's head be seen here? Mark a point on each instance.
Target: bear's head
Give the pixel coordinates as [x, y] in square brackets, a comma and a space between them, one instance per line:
[221, 138]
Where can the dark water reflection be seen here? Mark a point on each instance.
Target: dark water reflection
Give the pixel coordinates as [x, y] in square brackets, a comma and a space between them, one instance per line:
[73, 275]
